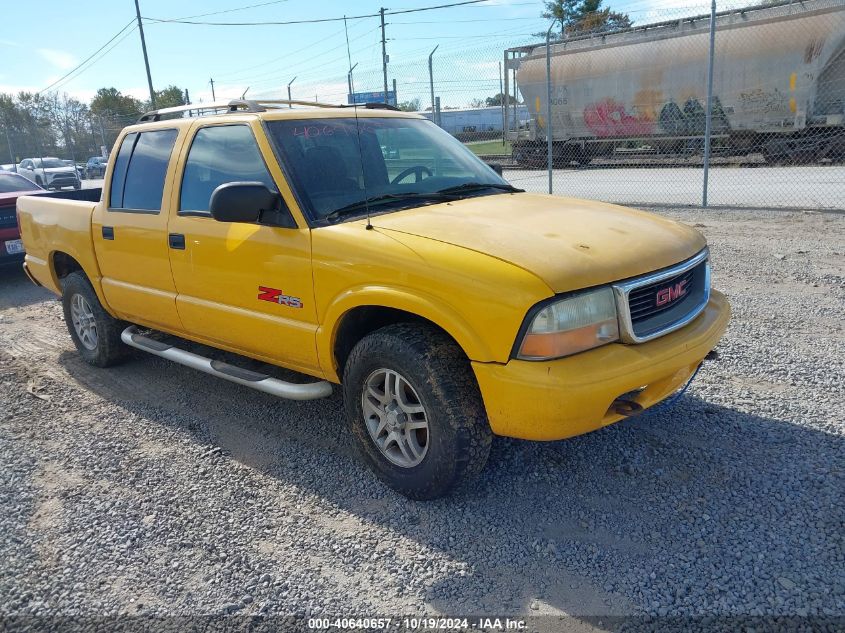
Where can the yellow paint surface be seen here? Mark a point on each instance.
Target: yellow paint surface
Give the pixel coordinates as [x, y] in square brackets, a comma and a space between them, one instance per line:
[474, 267]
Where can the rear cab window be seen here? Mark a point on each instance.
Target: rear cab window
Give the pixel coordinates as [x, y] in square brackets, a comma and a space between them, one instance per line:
[140, 168]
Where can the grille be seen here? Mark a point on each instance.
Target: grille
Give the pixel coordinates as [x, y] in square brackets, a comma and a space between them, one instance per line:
[66, 178]
[644, 303]
[659, 303]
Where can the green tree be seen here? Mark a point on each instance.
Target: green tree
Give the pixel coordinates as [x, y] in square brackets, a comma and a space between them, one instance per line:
[36, 116]
[19, 139]
[574, 17]
[113, 111]
[412, 105]
[499, 99]
[170, 97]
[112, 102]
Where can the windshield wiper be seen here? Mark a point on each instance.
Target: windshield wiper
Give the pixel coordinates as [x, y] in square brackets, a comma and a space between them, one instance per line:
[361, 205]
[478, 186]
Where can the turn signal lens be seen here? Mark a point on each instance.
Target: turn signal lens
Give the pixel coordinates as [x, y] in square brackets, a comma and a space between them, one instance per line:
[571, 325]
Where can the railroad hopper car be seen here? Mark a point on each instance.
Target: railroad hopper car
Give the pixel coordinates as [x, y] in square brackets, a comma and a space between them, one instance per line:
[778, 87]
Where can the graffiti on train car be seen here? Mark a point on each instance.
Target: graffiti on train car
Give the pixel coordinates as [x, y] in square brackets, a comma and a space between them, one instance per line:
[609, 118]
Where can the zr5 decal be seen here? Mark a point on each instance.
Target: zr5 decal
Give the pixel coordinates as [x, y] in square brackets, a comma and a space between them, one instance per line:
[277, 296]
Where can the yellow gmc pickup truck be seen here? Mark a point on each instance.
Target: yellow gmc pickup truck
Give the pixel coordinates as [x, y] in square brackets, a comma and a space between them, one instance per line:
[368, 248]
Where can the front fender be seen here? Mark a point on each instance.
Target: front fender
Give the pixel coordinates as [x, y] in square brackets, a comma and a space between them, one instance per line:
[415, 302]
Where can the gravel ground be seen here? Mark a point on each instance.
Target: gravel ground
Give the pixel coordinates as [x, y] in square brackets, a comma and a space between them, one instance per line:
[151, 489]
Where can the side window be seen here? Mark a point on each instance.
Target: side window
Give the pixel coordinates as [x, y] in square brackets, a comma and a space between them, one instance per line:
[144, 184]
[220, 154]
[119, 173]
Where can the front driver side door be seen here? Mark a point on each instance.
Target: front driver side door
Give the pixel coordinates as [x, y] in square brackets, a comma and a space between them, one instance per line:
[244, 287]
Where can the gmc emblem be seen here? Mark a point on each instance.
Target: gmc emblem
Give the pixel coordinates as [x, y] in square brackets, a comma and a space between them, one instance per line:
[671, 293]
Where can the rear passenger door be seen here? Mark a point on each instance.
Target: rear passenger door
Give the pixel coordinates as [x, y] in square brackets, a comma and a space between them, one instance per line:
[130, 230]
[243, 286]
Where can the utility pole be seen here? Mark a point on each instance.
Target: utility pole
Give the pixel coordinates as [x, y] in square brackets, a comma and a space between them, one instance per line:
[9, 144]
[213, 97]
[384, 58]
[549, 147]
[102, 130]
[502, 104]
[708, 120]
[146, 59]
[431, 81]
[187, 100]
[93, 136]
[290, 105]
[351, 99]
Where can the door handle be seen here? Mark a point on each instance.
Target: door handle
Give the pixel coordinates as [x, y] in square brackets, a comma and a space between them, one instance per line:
[177, 241]
[108, 232]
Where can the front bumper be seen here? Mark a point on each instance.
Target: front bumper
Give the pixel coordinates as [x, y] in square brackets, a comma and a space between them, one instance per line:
[63, 180]
[570, 396]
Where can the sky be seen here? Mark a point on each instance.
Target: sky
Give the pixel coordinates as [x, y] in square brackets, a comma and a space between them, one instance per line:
[263, 59]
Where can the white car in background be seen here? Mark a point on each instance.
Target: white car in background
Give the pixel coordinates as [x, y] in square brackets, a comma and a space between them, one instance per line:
[49, 172]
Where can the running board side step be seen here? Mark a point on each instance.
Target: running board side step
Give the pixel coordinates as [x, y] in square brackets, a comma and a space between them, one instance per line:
[261, 382]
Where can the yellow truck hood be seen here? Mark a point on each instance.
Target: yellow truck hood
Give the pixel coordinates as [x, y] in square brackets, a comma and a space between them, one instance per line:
[567, 242]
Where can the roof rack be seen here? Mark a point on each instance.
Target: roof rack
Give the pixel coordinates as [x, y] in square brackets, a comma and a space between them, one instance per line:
[249, 105]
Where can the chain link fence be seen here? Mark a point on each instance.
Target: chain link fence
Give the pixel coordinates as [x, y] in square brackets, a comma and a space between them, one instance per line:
[630, 109]
[614, 116]
[625, 113]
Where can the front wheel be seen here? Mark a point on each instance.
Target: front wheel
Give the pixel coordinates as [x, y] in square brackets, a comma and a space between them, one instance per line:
[415, 411]
[94, 331]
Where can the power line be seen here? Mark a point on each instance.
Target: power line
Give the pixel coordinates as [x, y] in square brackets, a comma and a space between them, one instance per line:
[87, 59]
[450, 21]
[249, 6]
[98, 59]
[304, 63]
[317, 20]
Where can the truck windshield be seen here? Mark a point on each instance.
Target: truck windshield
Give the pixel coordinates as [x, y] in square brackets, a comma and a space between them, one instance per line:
[392, 163]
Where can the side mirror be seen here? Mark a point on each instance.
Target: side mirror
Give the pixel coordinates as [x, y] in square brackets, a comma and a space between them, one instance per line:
[243, 202]
[497, 167]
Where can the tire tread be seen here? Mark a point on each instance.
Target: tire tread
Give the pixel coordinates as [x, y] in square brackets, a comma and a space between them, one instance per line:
[449, 378]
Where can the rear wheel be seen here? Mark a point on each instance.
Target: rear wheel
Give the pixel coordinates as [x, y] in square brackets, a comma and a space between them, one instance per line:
[415, 411]
[94, 331]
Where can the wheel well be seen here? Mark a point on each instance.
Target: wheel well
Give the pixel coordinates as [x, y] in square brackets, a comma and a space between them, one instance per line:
[361, 321]
[64, 264]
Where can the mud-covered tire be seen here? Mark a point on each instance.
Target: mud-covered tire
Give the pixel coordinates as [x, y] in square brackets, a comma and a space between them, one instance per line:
[439, 373]
[108, 349]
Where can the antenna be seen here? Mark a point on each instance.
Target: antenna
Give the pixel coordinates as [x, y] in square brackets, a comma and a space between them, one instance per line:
[357, 125]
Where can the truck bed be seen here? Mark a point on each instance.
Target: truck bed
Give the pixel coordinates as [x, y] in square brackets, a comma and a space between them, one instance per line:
[58, 222]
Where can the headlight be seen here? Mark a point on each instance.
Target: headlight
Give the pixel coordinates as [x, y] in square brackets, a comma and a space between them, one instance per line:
[571, 325]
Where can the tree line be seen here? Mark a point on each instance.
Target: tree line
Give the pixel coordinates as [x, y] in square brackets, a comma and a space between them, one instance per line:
[60, 125]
